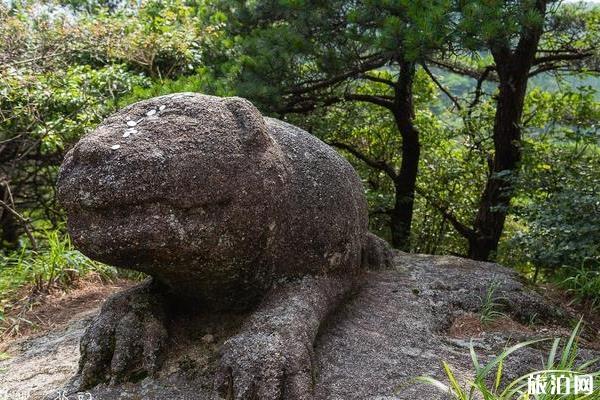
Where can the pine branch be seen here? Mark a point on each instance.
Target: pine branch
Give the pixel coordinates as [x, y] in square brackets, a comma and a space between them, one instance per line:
[571, 56]
[377, 79]
[371, 162]
[479, 87]
[378, 100]
[311, 86]
[462, 69]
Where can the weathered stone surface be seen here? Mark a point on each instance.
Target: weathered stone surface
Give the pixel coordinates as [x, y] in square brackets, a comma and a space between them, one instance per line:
[394, 329]
[377, 253]
[272, 356]
[132, 325]
[212, 199]
[223, 208]
[43, 364]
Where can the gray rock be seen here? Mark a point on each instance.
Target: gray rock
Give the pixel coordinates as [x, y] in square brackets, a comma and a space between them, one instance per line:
[377, 253]
[212, 199]
[223, 208]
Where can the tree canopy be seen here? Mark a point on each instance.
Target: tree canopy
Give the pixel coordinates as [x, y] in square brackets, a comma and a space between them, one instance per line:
[473, 125]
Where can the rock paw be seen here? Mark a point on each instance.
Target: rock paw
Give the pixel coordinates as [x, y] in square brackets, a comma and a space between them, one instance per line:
[125, 342]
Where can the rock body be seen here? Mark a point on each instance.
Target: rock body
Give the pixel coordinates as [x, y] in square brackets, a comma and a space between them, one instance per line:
[212, 199]
[225, 210]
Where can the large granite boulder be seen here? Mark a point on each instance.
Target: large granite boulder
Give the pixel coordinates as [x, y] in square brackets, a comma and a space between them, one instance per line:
[225, 210]
[211, 199]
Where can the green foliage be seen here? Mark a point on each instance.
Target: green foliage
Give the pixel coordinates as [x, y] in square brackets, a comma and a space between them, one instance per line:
[584, 284]
[43, 114]
[57, 107]
[290, 45]
[488, 387]
[56, 264]
[162, 39]
[556, 215]
[204, 82]
[494, 21]
[62, 72]
[562, 226]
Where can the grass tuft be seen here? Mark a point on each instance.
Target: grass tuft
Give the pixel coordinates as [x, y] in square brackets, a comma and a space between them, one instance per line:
[490, 305]
[27, 273]
[482, 387]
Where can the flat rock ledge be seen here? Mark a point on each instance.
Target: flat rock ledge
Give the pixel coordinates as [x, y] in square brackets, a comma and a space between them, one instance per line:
[402, 324]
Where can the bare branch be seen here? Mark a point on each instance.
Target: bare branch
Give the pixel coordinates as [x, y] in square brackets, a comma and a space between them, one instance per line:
[462, 69]
[371, 162]
[301, 105]
[383, 101]
[559, 68]
[377, 79]
[441, 87]
[310, 86]
[562, 57]
[478, 88]
[23, 221]
[461, 228]
[30, 60]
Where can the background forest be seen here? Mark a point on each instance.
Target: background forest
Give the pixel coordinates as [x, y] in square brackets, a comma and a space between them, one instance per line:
[473, 124]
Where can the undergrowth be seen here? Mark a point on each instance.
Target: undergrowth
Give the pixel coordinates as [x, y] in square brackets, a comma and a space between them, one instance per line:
[488, 384]
[583, 284]
[490, 305]
[55, 265]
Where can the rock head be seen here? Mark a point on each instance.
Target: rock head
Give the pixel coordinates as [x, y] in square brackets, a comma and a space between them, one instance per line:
[212, 199]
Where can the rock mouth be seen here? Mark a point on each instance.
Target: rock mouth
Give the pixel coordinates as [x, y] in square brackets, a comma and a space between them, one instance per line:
[148, 233]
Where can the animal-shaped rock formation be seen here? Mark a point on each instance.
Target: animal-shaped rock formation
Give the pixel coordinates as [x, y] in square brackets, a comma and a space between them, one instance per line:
[224, 209]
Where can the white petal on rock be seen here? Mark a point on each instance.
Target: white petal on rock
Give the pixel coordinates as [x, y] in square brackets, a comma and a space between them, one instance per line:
[162, 108]
[131, 123]
[116, 146]
[131, 131]
[126, 134]
[151, 113]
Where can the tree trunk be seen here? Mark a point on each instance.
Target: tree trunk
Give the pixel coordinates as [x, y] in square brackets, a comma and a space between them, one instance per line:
[496, 197]
[9, 228]
[401, 217]
[513, 72]
[9, 231]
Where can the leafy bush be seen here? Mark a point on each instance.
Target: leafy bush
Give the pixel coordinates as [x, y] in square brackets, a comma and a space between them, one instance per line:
[554, 227]
[62, 71]
[161, 39]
